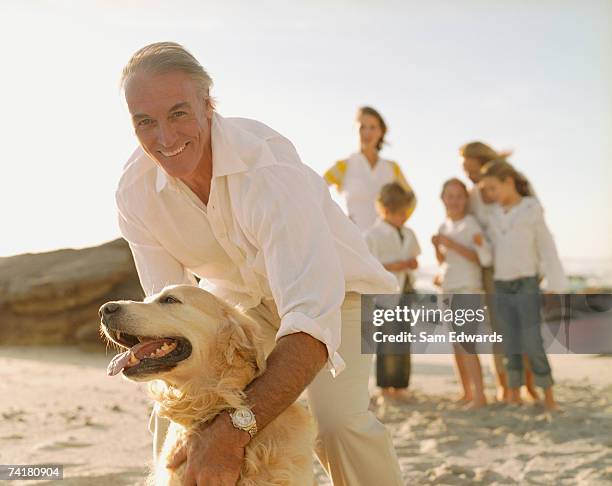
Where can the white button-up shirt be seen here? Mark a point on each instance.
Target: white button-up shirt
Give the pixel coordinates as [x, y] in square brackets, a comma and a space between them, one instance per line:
[459, 273]
[523, 245]
[384, 242]
[360, 183]
[270, 230]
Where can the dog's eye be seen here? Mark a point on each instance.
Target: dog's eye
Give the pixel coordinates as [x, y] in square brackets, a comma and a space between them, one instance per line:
[168, 299]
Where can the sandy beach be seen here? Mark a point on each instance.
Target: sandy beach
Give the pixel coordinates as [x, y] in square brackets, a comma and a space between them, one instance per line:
[58, 406]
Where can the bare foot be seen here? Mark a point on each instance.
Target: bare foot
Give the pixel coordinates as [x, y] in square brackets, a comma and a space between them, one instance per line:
[502, 394]
[514, 397]
[395, 394]
[552, 406]
[402, 395]
[387, 392]
[477, 403]
[549, 401]
[463, 399]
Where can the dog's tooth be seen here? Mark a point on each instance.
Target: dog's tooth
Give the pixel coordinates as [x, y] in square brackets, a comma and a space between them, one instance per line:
[118, 335]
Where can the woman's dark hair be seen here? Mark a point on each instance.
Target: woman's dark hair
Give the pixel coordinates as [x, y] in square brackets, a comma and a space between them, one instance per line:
[501, 169]
[368, 110]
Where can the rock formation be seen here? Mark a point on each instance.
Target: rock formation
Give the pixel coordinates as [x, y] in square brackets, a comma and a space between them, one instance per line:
[53, 298]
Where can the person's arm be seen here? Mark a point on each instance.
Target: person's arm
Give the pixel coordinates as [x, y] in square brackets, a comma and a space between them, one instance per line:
[415, 250]
[156, 268]
[482, 249]
[435, 241]
[215, 456]
[334, 176]
[397, 266]
[556, 280]
[462, 250]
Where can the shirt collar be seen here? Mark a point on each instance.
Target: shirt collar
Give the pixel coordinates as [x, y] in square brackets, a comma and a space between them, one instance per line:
[363, 160]
[389, 227]
[161, 180]
[230, 145]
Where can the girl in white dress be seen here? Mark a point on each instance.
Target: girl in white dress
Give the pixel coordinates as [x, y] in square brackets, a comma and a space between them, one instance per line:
[462, 250]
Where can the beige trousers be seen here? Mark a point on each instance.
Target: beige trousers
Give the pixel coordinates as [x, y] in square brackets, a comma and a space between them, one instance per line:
[352, 445]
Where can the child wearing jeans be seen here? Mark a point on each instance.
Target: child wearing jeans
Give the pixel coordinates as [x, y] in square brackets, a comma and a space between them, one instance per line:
[397, 248]
[461, 251]
[522, 246]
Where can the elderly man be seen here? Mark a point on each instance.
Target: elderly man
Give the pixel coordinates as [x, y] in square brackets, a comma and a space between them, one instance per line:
[229, 201]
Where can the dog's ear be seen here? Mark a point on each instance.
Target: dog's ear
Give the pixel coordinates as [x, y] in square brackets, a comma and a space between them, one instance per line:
[243, 342]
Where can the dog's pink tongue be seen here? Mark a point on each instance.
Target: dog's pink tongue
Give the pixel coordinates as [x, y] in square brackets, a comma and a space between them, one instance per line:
[120, 360]
[118, 363]
[139, 350]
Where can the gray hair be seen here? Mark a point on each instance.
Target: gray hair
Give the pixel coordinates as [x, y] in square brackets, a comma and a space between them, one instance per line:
[164, 57]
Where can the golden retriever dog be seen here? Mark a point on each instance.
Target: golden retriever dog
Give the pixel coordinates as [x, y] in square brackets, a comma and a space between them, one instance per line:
[201, 354]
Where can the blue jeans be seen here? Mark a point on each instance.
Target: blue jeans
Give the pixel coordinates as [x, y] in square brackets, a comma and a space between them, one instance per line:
[517, 304]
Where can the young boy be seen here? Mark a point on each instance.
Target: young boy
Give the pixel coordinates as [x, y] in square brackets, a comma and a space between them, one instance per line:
[397, 248]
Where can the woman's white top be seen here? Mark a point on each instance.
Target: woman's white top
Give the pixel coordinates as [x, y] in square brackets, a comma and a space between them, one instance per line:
[360, 183]
[387, 246]
[459, 273]
[523, 245]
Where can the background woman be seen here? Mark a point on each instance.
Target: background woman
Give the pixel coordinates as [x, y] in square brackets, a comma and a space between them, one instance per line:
[360, 177]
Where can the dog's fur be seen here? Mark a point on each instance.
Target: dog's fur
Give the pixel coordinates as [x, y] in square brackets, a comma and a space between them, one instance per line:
[227, 354]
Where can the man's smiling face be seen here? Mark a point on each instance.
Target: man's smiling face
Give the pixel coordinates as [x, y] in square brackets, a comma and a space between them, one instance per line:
[171, 118]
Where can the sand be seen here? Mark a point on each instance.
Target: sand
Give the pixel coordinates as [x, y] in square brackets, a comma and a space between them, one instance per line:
[58, 406]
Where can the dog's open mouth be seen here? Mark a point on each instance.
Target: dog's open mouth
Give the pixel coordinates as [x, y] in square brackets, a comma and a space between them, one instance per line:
[146, 355]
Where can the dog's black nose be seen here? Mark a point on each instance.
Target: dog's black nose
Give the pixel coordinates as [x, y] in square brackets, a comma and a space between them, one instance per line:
[108, 308]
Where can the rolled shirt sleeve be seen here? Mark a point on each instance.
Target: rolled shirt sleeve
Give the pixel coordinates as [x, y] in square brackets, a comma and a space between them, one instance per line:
[550, 263]
[281, 212]
[155, 266]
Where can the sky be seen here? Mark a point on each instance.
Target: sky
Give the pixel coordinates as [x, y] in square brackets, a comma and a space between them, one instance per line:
[534, 77]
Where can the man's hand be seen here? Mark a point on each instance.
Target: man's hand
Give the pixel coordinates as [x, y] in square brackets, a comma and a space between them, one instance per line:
[412, 264]
[214, 456]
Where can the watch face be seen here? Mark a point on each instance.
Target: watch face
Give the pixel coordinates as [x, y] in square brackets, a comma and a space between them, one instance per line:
[243, 417]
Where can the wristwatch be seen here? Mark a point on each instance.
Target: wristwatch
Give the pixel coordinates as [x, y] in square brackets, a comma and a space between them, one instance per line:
[243, 418]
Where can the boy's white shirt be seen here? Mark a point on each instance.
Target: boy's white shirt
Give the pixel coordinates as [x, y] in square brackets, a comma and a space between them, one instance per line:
[385, 244]
[523, 245]
[459, 273]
